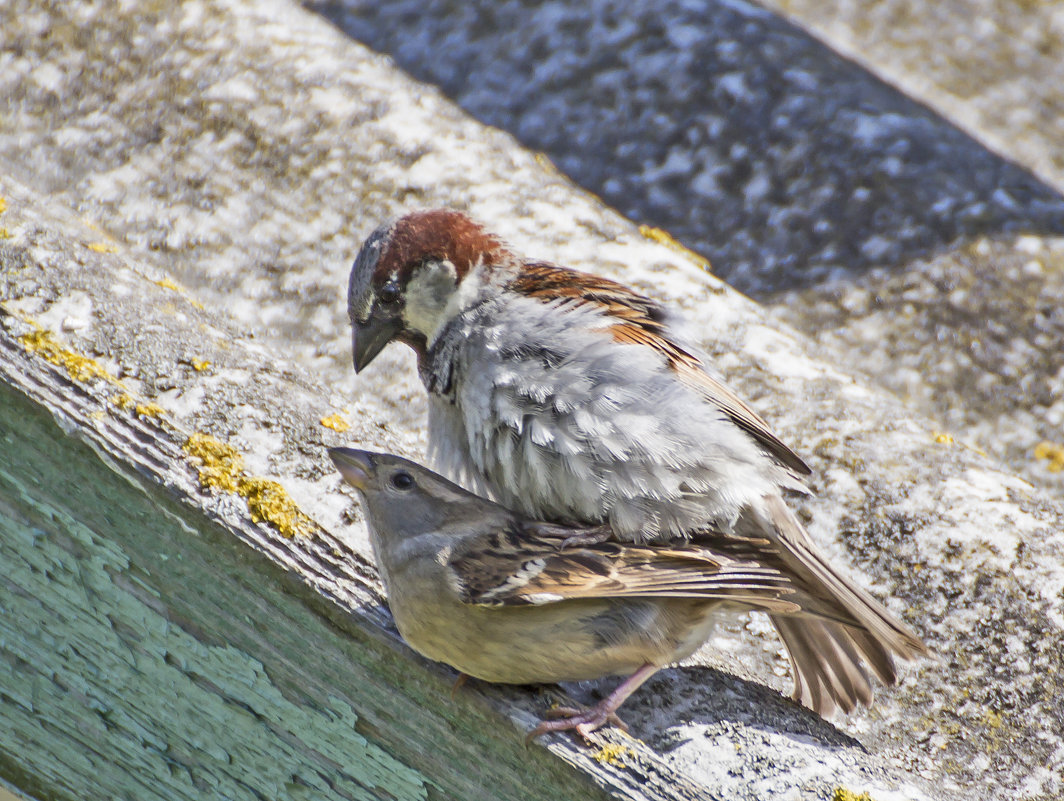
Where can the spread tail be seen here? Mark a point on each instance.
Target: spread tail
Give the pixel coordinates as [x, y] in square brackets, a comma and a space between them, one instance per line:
[842, 636]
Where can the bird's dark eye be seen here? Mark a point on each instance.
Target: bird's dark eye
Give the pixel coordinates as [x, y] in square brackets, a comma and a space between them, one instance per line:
[402, 480]
[389, 293]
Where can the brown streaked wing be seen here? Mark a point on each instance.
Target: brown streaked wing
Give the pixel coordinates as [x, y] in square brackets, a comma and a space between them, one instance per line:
[510, 569]
[642, 323]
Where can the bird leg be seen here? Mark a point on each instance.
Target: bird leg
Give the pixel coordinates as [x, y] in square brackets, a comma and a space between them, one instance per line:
[458, 683]
[585, 721]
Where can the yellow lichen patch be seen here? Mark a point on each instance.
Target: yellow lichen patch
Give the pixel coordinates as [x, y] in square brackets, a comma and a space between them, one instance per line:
[101, 247]
[3, 205]
[123, 400]
[944, 439]
[993, 719]
[149, 410]
[612, 754]
[543, 160]
[665, 238]
[842, 794]
[81, 368]
[199, 365]
[222, 467]
[1053, 453]
[173, 286]
[336, 422]
[4, 233]
[268, 501]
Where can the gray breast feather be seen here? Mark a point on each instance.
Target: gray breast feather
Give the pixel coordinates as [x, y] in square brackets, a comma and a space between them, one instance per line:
[561, 422]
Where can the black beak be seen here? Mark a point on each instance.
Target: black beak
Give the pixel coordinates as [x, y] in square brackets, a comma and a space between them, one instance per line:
[355, 466]
[369, 338]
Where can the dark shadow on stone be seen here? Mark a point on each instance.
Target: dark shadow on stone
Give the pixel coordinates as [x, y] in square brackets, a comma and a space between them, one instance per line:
[749, 140]
[714, 698]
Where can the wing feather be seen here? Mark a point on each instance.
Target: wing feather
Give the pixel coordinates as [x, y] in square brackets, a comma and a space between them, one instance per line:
[514, 568]
[641, 321]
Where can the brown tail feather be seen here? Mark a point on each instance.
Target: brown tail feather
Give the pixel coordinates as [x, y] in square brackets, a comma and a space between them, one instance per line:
[840, 626]
[827, 666]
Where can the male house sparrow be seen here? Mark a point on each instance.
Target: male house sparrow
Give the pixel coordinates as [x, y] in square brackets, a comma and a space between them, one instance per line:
[568, 397]
[507, 599]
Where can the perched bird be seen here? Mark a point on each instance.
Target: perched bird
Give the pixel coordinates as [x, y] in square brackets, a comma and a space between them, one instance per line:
[571, 398]
[507, 599]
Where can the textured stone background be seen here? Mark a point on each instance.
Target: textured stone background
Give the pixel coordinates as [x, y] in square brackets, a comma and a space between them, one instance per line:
[242, 151]
[806, 180]
[729, 126]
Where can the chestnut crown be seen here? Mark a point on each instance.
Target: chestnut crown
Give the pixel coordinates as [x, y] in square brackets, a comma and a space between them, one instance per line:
[406, 272]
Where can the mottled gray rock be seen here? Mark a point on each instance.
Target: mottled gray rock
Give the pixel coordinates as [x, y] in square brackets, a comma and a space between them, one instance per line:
[972, 338]
[732, 128]
[244, 149]
[993, 68]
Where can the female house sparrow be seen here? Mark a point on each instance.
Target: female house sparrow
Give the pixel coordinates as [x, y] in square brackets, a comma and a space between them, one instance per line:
[506, 599]
[568, 397]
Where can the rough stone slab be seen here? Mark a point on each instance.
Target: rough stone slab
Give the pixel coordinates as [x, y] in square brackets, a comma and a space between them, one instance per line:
[971, 338]
[836, 155]
[967, 552]
[993, 68]
[731, 127]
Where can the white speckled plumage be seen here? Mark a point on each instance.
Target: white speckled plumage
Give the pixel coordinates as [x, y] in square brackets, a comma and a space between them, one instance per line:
[607, 434]
[569, 398]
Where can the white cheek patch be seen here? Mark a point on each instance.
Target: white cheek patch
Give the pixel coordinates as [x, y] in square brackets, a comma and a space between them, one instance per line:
[427, 294]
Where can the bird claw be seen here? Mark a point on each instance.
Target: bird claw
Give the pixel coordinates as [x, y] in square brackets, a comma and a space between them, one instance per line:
[458, 683]
[591, 536]
[582, 721]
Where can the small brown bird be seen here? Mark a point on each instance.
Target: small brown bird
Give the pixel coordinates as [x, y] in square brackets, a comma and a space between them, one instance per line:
[572, 398]
[507, 599]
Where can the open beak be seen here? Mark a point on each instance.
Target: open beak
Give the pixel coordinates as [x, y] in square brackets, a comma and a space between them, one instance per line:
[369, 338]
[355, 466]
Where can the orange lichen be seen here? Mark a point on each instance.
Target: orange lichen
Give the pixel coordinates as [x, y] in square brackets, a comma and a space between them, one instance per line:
[123, 400]
[612, 754]
[222, 467]
[336, 422]
[663, 237]
[80, 368]
[1053, 453]
[149, 410]
[173, 286]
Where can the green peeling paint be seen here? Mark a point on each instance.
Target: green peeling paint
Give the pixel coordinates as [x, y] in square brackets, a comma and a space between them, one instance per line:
[103, 683]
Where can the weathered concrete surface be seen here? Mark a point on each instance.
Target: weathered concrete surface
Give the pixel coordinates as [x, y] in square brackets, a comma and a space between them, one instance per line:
[790, 166]
[972, 338]
[244, 150]
[993, 68]
[747, 139]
